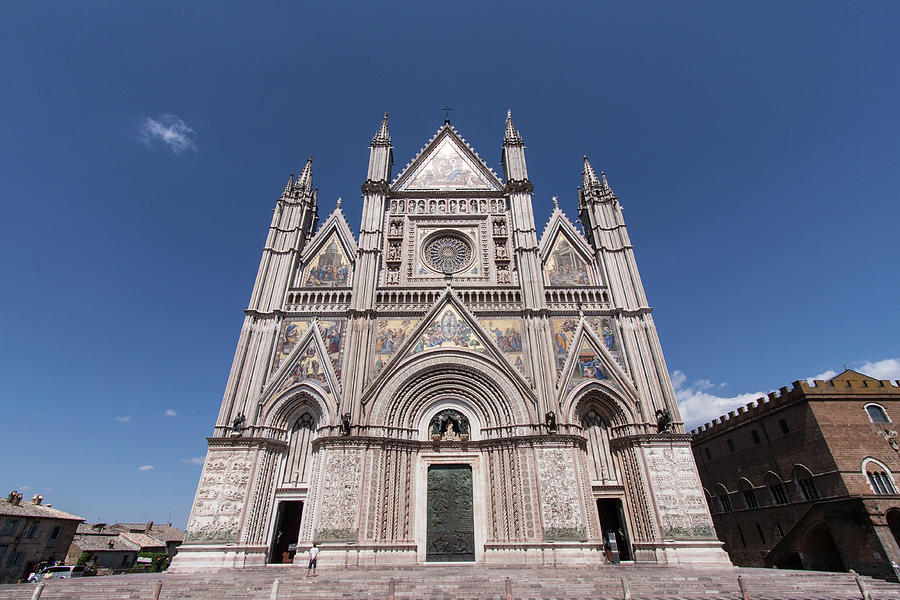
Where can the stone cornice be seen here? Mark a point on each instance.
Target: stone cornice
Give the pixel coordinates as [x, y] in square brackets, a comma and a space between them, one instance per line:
[542, 440]
[652, 439]
[245, 442]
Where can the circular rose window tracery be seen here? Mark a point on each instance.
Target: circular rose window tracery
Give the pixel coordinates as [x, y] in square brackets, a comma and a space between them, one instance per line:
[448, 253]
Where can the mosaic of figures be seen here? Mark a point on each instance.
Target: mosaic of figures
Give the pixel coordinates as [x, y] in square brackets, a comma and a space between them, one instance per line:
[448, 170]
[448, 330]
[507, 334]
[565, 266]
[389, 336]
[564, 332]
[587, 365]
[332, 334]
[451, 205]
[330, 267]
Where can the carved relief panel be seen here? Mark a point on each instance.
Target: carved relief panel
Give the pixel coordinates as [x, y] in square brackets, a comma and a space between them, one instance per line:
[678, 493]
[216, 516]
[561, 506]
[338, 501]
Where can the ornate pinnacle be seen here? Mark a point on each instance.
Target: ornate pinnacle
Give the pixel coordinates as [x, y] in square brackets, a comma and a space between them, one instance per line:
[383, 136]
[304, 180]
[288, 185]
[589, 175]
[512, 134]
[338, 207]
[604, 185]
[555, 202]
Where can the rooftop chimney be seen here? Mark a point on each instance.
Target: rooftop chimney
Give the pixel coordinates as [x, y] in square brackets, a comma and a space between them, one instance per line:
[149, 526]
[37, 499]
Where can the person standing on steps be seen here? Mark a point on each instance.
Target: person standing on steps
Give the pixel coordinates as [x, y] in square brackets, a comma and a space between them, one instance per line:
[313, 554]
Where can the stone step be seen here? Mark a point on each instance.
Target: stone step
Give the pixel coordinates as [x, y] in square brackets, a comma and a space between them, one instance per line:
[467, 583]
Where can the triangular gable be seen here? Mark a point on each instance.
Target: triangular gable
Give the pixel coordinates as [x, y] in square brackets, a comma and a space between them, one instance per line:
[590, 361]
[329, 257]
[447, 163]
[557, 223]
[309, 363]
[566, 259]
[447, 326]
[851, 375]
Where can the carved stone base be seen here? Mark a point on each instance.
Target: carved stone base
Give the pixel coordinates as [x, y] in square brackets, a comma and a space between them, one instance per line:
[683, 552]
[193, 558]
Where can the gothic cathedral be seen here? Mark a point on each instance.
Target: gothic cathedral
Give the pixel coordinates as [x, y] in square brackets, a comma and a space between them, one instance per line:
[450, 385]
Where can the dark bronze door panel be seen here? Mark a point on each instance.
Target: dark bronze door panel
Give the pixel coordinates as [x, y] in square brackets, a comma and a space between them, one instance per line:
[451, 525]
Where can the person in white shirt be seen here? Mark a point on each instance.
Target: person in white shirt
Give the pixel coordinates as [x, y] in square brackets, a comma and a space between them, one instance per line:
[313, 553]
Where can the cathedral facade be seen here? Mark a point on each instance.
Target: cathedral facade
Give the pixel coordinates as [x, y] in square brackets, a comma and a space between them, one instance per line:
[452, 384]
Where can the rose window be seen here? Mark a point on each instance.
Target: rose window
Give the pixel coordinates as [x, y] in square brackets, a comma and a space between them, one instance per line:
[448, 253]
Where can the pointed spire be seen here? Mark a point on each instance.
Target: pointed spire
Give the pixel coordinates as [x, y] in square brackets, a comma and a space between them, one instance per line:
[605, 184]
[383, 137]
[304, 180]
[555, 202]
[512, 134]
[288, 185]
[589, 175]
[338, 206]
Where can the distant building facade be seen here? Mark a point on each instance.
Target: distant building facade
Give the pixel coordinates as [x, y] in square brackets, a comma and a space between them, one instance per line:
[30, 534]
[118, 546]
[808, 477]
[453, 383]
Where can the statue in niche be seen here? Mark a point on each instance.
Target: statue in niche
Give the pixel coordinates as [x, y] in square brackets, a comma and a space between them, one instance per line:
[345, 424]
[663, 421]
[449, 425]
[550, 422]
[237, 426]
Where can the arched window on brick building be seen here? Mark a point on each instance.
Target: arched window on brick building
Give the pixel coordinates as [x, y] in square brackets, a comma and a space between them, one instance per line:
[879, 477]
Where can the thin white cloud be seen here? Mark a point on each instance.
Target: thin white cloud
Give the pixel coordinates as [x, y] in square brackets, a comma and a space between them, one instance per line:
[146, 468]
[197, 460]
[824, 375]
[888, 368]
[122, 419]
[170, 413]
[170, 130]
[698, 405]
[25, 488]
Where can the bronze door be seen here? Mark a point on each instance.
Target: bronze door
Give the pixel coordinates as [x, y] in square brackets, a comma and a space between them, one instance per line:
[451, 525]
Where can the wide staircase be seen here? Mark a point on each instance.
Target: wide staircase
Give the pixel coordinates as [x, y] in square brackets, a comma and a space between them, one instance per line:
[458, 582]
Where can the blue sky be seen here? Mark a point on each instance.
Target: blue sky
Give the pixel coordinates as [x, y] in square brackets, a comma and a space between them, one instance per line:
[755, 148]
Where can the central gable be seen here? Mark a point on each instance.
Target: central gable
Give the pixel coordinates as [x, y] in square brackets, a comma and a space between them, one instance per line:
[447, 163]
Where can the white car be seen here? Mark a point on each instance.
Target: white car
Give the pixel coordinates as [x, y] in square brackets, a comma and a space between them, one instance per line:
[58, 572]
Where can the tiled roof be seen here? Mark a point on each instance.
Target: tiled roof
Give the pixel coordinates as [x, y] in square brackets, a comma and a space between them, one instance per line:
[27, 509]
[166, 532]
[101, 543]
[143, 540]
[96, 529]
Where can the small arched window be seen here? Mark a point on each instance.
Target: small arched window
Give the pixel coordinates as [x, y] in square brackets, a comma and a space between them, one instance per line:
[776, 489]
[749, 493]
[724, 498]
[879, 477]
[804, 480]
[877, 414]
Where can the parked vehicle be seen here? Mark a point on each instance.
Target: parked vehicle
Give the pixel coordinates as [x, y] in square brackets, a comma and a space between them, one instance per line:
[60, 572]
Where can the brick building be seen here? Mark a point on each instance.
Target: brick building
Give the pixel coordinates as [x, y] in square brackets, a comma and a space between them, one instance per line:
[31, 534]
[806, 478]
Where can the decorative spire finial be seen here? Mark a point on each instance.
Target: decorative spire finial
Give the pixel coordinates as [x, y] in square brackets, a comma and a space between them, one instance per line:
[555, 202]
[304, 180]
[288, 185]
[589, 175]
[512, 134]
[383, 136]
[338, 203]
